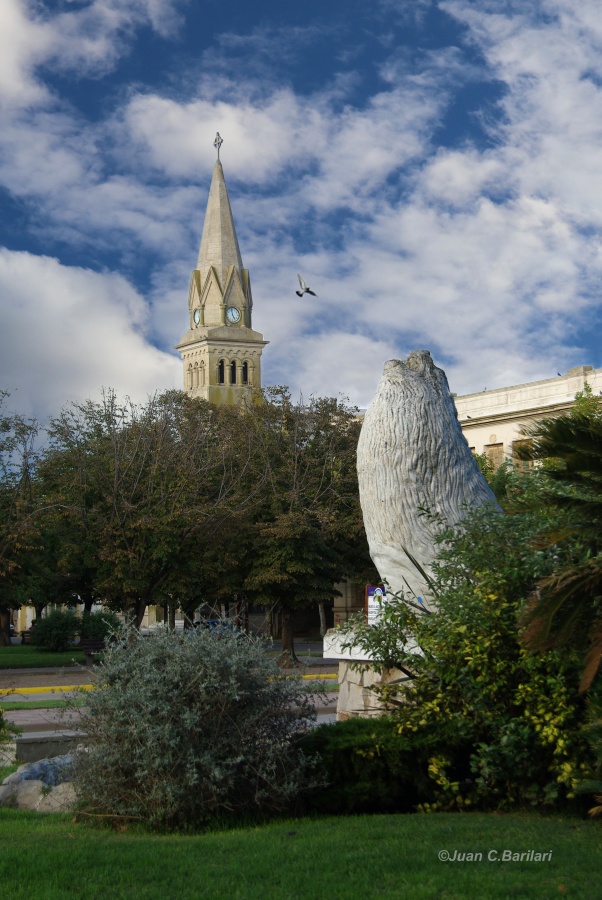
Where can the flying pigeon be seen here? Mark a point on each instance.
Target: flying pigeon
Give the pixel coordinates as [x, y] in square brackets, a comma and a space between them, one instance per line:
[304, 289]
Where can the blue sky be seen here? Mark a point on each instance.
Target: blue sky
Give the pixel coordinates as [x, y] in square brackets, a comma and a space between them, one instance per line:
[433, 169]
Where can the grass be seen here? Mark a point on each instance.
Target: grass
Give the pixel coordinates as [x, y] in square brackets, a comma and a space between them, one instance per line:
[51, 857]
[37, 703]
[5, 771]
[24, 656]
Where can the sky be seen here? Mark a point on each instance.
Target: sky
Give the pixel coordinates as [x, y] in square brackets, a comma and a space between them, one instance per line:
[433, 169]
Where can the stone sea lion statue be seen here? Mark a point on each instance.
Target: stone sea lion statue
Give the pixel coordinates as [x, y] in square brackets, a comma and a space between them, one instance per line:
[412, 456]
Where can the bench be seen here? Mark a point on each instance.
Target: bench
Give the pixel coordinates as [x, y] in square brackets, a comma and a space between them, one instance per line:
[91, 646]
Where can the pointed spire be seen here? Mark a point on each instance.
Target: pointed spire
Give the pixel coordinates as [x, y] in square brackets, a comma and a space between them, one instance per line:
[219, 244]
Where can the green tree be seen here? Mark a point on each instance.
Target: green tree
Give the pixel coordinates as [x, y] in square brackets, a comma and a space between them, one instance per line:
[140, 490]
[500, 479]
[307, 532]
[18, 512]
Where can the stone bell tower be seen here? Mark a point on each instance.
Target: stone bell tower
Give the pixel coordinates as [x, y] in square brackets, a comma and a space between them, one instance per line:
[220, 351]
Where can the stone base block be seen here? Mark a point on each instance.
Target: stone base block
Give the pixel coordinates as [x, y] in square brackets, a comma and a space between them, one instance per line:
[355, 695]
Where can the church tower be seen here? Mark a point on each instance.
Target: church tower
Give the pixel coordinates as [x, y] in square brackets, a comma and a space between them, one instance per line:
[220, 351]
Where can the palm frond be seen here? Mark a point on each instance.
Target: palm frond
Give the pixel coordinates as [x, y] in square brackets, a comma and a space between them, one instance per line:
[562, 602]
[593, 658]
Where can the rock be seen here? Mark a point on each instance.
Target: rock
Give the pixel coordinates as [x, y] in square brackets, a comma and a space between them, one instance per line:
[50, 771]
[59, 799]
[27, 794]
[6, 794]
[412, 456]
[43, 786]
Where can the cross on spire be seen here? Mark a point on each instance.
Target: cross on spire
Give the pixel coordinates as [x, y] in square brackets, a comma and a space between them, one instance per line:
[218, 143]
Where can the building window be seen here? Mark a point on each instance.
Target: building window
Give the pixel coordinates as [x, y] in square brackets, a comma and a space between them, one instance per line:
[202, 375]
[495, 453]
[221, 372]
[190, 381]
[233, 372]
[245, 372]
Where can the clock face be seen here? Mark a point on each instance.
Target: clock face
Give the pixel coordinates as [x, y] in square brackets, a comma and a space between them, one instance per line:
[233, 315]
[196, 316]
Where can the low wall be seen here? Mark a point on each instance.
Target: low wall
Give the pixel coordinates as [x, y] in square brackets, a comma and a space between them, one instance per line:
[37, 745]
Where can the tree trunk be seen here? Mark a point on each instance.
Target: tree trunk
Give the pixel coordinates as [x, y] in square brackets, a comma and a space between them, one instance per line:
[288, 658]
[273, 621]
[4, 626]
[39, 608]
[139, 610]
[172, 615]
[322, 611]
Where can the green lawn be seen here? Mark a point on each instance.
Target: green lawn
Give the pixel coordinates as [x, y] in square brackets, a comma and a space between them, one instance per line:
[48, 857]
[5, 771]
[22, 656]
[40, 703]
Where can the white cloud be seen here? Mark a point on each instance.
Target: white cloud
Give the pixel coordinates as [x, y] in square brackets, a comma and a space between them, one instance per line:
[352, 151]
[550, 128]
[330, 364]
[68, 331]
[23, 44]
[87, 39]
[490, 257]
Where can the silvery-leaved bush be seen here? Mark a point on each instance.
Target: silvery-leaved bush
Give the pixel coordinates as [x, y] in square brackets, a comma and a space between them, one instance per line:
[186, 727]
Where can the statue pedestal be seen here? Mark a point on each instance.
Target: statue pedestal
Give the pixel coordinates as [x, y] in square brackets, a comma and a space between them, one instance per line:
[355, 695]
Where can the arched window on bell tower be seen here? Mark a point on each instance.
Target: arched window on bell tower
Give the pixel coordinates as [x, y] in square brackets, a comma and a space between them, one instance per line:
[189, 382]
[202, 374]
[233, 372]
[195, 379]
[221, 372]
[245, 372]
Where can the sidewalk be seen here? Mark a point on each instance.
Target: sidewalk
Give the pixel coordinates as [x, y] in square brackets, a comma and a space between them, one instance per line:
[37, 720]
[17, 679]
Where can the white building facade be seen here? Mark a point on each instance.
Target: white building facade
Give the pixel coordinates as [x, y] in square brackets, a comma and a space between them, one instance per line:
[492, 420]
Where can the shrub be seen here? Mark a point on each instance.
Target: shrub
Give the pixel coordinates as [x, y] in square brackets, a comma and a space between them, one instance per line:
[593, 735]
[369, 768]
[519, 713]
[5, 733]
[56, 631]
[188, 727]
[98, 625]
